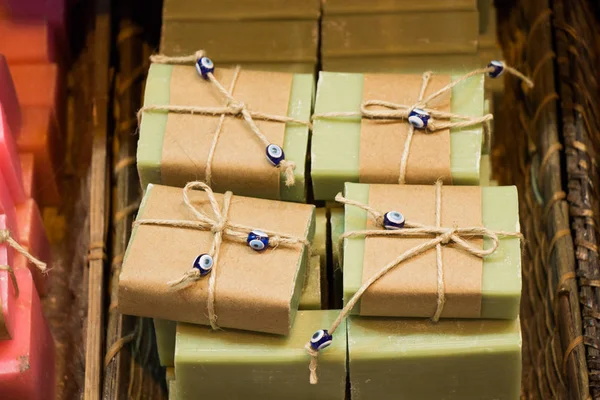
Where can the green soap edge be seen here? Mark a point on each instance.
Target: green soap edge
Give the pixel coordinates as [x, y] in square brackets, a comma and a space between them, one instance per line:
[165, 331]
[495, 304]
[153, 125]
[328, 179]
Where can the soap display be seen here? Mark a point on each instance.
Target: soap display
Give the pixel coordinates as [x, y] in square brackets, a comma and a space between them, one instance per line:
[265, 366]
[252, 290]
[355, 149]
[474, 287]
[237, 161]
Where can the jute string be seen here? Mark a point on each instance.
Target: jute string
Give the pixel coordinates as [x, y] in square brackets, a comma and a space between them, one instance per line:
[442, 236]
[232, 108]
[439, 120]
[5, 237]
[219, 224]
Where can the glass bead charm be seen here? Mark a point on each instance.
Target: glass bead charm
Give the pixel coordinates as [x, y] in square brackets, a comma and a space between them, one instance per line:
[204, 66]
[275, 154]
[321, 339]
[204, 264]
[498, 69]
[418, 118]
[258, 240]
[393, 220]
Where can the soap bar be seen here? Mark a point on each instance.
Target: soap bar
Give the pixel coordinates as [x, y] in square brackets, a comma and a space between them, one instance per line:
[245, 365]
[399, 33]
[10, 165]
[34, 239]
[252, 41]
[8, 98]
[28, 175]
[358, 7]
[453, 359]
[319, 248]
[499, 279]
[337, 229]
[53, 11]
[8, 297]
[310, 299]
[239, 162]
[40, 137]
[27, 361]
[7, 207]
[337, 151]
[256, 291]
[234, 10]
[30, 42]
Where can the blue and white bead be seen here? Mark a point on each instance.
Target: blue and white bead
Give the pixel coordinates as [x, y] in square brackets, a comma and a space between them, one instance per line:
[393, 220]
[320, 340]
[275, 154]
[204, 264]
[258, 240]
[497, 69]
[204, 66]
[419, 118]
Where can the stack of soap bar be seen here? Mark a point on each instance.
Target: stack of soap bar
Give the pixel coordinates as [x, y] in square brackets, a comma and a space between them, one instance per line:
[381, 33]
[416, 359]
[232, 364]
[337, 151]
[8, 296]
[27, 360]
[173, 148]
[263, 35]
[30, 42]
[501, 274]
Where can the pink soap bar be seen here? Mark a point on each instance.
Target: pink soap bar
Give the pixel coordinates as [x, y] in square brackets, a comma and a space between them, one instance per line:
[7, 290]
[28, 175]
[27, 361]
[8, 98]
[54, 11]
[10, 165]
[34, 239]
[30, 42]
[7, 207]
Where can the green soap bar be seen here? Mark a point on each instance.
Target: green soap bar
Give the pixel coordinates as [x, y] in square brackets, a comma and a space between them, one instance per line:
[451, 360]
[165, 341]
[337, 229]
[319, 248]
[172, 389]
[399, 33]
[153, 125]
[486, 172]
[232, 364]
[486, 143]
[252, 41]
[361, 7]
[203, 10]
[310, 299]
[336, 142]
[406, 64]
[501, 278]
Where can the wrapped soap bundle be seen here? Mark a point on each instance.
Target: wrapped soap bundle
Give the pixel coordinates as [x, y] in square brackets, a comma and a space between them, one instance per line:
[272, 35]
[431, 288]
[235, 129]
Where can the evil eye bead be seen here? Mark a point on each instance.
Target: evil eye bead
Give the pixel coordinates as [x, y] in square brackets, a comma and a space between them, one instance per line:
[393, 220]
[204, 264]
[258, 240]
[418, 118]
[320, 340]
[204, 66]
[275, 154]
[497, 69]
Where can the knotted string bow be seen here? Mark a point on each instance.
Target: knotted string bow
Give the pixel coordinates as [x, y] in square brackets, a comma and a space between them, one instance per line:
[441, 236]
[439, 120]
[232, 108]
[5, 237]
[218, 223]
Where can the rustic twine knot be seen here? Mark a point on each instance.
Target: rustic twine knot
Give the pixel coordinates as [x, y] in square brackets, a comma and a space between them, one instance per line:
[5, 237]
[441, 236]
[232, 107]
[222, 228]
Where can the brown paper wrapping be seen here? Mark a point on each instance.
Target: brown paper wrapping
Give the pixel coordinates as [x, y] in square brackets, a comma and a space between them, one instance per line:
[254, 290]
[410, 290]
[382, 141]
[239, 162]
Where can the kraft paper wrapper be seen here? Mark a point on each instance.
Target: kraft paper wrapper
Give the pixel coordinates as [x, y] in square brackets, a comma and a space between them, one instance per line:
[382, 141]
[254, 291]
[239, 161]
[410, 290]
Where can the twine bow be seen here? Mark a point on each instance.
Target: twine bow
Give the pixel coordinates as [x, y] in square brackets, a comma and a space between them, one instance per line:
[5, 237]
[218, 224]
[441, 236]
[232, 108]
[439, 120]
